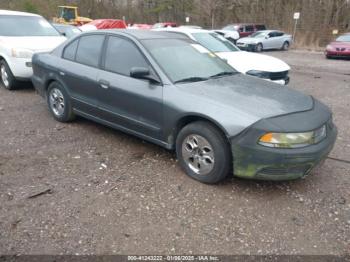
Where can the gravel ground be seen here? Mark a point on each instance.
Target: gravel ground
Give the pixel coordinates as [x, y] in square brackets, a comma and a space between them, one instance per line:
[105, 192]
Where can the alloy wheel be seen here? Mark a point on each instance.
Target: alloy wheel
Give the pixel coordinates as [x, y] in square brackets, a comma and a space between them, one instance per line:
[4, 76]
[57, 102]
[198, 154]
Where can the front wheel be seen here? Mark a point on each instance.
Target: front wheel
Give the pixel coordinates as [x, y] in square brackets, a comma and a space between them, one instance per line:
[203, 152]
[7, 78]
[259, 48]
[59, 103]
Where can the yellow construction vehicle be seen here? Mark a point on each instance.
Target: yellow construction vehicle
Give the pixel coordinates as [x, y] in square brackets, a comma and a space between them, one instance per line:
[69, 15]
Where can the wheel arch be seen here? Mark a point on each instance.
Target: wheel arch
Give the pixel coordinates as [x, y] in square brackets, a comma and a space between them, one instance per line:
[51, 79]
[191, 118]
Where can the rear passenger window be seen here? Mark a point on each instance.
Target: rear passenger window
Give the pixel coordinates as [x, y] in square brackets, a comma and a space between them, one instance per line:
[122, 55]
[89, 50]
[70, 50]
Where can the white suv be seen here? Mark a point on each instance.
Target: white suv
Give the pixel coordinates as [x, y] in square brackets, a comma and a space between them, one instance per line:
[21, 35]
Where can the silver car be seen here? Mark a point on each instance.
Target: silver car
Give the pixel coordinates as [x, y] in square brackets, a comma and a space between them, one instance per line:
[264, 40]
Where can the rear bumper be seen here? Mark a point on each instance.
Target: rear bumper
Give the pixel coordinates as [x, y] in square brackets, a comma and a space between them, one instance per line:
[254, 161]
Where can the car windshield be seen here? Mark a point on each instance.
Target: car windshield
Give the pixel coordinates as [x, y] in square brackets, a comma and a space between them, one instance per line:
[185, 61]
[344, 38]
[214, 42]
[258, 35]
[26, 26]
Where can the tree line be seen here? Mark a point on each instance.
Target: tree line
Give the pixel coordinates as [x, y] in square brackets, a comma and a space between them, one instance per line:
[319, 18]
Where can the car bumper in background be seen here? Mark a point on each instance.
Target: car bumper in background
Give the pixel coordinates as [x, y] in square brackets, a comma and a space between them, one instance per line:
[254, 161]
[21, 68]
[246, 47]
[345, 54]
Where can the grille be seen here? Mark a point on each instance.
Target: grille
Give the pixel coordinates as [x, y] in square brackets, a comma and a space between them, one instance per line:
[278, 75]
[284, 170]
[340, 49]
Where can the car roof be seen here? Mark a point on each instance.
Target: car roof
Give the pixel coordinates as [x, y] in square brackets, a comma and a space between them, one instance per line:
[141, 34]
[186, 30]
[8, 12]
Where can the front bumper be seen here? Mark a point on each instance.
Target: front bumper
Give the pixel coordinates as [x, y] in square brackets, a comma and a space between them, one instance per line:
[21, 68]
[254, 161]
[246, 47]
[281, 78]
[345, 54]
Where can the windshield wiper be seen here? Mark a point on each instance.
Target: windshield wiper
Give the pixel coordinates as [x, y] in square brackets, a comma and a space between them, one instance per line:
[223, 74]
[191, 79]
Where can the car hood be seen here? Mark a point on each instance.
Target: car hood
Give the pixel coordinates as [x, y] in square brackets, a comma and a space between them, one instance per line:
[246, 97]
[340, 44]
[250, 40]
[245, 61]
[36, 44]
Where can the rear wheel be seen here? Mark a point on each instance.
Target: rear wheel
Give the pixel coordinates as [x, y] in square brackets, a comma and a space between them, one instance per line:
[259, 48]
[203, 152]
[59, 103]
[7, 78]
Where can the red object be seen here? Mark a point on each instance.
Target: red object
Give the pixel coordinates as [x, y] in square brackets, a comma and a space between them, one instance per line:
[164, 24]
[142, 26]
[108, 24]
[245, 30]
[339, 48]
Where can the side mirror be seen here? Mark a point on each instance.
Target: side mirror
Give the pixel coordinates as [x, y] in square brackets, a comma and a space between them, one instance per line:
[143, 73]
[139, 72]
[267, 37]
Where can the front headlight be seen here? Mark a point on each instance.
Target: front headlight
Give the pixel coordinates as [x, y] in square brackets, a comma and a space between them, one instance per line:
[293, 140]
[21, 53]
[329, 47]
[257, 73]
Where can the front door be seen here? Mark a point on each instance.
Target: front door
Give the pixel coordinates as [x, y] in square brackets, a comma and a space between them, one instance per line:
[132, 104]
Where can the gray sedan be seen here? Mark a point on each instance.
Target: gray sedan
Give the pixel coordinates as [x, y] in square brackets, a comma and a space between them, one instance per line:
[173, 92]
[265, 40]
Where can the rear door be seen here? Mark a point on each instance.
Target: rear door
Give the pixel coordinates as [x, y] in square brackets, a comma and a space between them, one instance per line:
[78, 70]
[133, 104]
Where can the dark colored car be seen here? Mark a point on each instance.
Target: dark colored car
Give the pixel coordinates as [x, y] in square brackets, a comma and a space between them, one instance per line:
[171, 91]
[339, 48]
[68, 31]
[245, 30]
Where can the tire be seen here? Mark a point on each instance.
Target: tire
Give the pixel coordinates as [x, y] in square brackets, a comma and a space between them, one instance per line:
[7, 79]
[203, 152]
[59, 103]
[285, 46]
[259, 48]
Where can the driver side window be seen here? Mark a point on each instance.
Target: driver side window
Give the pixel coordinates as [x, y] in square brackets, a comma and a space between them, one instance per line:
[122, 55]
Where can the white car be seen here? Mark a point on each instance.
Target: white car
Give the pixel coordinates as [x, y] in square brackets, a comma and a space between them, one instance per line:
[262, 66]
[265, 40]
[22, 35]
[231, 35]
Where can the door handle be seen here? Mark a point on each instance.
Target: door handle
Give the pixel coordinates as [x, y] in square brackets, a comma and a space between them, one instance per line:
[104, 84]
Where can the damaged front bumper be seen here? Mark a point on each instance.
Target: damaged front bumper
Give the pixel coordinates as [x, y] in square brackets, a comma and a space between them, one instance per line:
[254, 161]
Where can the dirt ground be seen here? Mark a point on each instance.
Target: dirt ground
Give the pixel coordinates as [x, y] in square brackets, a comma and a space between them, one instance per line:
[105, 192]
